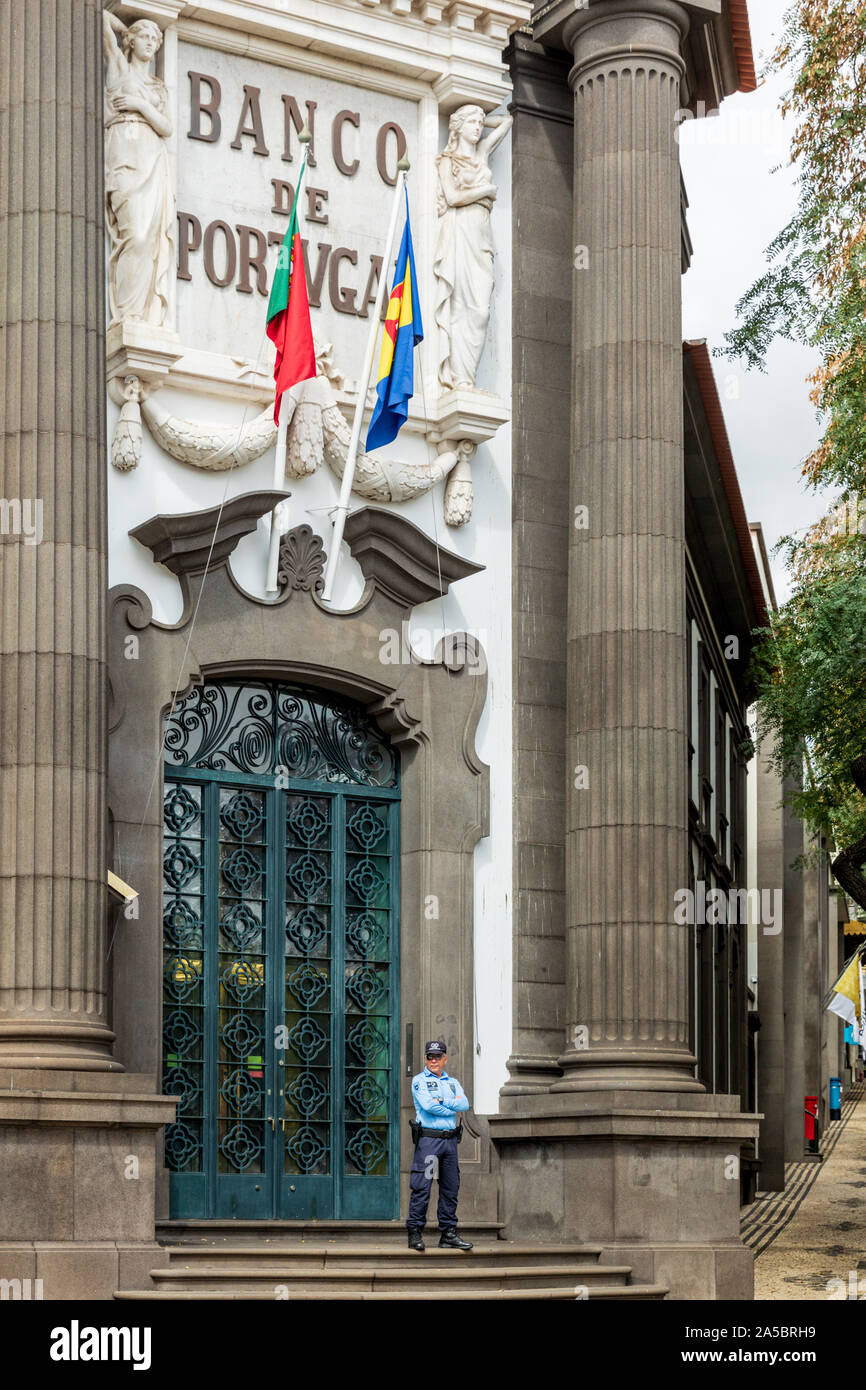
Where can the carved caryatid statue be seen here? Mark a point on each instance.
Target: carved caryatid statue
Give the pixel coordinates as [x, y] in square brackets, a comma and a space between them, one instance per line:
[139, 204]
[463, 262]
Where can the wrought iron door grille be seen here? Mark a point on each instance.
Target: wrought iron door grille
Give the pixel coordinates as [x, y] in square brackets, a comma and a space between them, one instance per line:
[280, 951]
[308, 1004]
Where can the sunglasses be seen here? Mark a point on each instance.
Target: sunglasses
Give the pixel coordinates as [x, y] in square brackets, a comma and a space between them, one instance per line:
[433, 1056]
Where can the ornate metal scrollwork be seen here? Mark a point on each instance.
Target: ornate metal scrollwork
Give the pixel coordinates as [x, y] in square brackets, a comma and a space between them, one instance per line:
[248, 853]
[182, 1147]
[180, 866]
[264, 728]
[308, 1039]
[305, 930]
[365, 935]
[307, 876]
[366, 881]
[180, 1032]
[242, 1146]
[308, 984]
[307, 1094]
[308, 822]
[367, 1096]
[241, 1091]
[182, 1082]
[241, 1036]
[307, 1148]
[367, 1042]
[182, 927]
[365, 1149]
[242, 928]
[366, 986]
[180, 810]
[367, 827]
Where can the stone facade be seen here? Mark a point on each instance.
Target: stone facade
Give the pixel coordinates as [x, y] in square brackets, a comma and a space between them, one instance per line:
[429, 711]
[78, 1137]
[613, 546]
[541, 216]
[605, 1084]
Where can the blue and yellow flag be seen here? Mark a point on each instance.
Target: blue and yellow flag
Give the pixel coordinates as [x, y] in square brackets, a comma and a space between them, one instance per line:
[403, 330]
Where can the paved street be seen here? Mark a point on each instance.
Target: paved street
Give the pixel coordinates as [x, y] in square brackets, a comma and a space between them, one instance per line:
[815, 1231]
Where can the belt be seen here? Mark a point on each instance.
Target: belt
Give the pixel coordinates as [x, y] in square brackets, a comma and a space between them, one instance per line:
[439, 1133]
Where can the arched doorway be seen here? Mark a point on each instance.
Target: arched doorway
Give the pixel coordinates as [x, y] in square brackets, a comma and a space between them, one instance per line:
[281, 937]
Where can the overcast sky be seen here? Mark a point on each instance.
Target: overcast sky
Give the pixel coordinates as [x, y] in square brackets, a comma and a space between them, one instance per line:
[736, 207]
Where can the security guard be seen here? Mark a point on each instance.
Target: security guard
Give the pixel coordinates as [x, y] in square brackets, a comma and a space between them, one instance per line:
[437, 1098]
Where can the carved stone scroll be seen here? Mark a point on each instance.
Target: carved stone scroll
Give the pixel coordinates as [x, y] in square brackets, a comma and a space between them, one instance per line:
[126, 443]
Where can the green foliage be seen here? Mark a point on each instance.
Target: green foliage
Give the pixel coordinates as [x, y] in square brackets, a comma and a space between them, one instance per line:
[810, 669]
[809, 666]
[814, 291]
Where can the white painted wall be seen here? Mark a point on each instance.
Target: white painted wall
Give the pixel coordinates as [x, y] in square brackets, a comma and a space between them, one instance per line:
[225, 322]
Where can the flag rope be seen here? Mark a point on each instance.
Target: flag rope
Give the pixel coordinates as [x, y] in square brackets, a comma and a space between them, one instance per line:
[342, 508]
[180, 681]
[476, 1039]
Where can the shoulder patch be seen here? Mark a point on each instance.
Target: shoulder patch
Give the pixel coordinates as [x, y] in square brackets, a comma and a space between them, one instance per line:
[416, 1085]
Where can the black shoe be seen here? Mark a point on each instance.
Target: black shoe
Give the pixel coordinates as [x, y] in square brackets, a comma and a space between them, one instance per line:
[449, 1240]
[415, 1241]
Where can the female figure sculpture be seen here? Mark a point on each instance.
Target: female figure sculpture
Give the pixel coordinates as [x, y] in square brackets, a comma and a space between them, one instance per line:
[138, 198]
[463, 262]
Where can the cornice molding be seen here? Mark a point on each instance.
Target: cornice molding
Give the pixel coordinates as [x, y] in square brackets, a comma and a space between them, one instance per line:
[403, 563]
[189, 542]
[456, 48]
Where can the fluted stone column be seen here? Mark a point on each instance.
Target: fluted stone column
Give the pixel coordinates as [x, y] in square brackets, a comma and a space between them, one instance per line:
[773, 1041]
[625, 1148]
[794, 986]
[627, 832]
[53, 856]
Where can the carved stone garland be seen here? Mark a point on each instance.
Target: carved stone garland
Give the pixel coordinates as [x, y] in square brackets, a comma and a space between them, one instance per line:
[143, 346]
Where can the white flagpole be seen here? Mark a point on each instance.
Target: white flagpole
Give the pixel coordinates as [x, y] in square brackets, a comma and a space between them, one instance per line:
[363, 387]
[279, 482]
[283, 426]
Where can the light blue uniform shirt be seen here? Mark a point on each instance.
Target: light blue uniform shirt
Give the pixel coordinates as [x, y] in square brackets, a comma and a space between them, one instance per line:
[437, 1098]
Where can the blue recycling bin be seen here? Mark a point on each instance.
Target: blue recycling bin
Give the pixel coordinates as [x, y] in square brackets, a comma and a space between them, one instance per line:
[835, 1098]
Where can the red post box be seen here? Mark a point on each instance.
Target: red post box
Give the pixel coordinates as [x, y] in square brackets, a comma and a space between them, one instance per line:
[811, 1116]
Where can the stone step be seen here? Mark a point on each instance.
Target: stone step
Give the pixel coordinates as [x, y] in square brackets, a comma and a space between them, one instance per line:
[333, 1261]
[434, 1293]
[181, 1232]
[263, 1256]
[462, 1273]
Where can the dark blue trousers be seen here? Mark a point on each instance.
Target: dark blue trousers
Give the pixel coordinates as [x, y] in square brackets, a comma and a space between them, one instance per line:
[434, 1158]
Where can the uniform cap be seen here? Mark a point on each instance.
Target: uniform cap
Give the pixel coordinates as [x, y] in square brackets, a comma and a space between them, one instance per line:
[438, 1049]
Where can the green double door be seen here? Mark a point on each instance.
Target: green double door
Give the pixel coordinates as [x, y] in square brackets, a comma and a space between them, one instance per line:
[280, 980]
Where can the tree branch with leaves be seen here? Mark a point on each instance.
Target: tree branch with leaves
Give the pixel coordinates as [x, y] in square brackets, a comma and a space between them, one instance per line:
[810, 663]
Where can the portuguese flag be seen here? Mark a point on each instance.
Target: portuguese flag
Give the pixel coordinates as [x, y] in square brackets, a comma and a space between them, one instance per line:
[289, 327]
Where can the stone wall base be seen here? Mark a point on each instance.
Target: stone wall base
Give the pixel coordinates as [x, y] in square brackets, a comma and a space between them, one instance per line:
[652, 1178]
[478, 1199]
[75, 1270]
[77, 1181]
